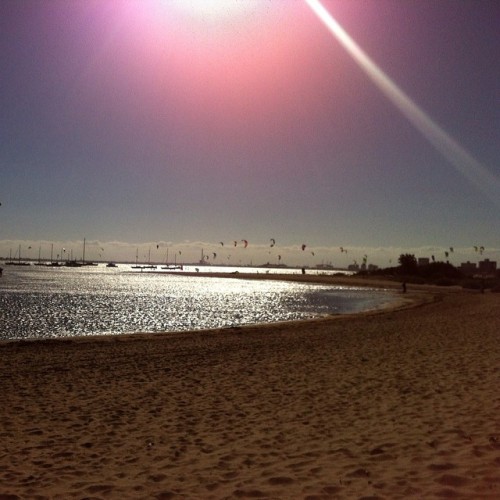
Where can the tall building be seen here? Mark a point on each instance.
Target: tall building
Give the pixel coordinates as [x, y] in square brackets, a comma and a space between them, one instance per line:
[468, 268]
[487, 266]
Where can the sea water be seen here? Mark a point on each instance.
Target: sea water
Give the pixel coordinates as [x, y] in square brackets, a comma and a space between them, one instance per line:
[45, 302]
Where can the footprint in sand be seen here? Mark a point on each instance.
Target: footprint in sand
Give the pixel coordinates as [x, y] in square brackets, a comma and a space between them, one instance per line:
[441, 467]
[249, 494]
[280, 480]
[452, 480]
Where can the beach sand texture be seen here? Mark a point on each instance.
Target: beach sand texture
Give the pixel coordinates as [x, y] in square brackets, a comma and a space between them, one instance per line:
[395, 404]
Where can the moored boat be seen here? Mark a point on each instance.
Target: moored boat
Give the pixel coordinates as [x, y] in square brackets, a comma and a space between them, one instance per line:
[73, 263]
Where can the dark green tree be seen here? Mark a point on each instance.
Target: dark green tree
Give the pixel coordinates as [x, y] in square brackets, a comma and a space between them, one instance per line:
[408, 263]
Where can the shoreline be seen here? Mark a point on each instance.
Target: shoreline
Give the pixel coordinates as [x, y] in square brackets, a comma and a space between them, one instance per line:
[398, 403]
[417, 295]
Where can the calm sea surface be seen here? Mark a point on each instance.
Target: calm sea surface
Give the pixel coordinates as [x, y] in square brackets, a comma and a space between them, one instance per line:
[43, 302]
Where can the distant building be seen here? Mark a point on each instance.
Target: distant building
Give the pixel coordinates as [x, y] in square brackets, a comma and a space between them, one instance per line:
[487, 266]
[353, 267]
[468, 268]
[372, 267]
[423, 261]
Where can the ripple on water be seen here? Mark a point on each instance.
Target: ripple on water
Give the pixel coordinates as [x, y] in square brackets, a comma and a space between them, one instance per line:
[57, 303]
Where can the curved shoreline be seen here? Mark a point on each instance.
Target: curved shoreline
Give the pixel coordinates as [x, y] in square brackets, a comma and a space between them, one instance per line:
[416, 296]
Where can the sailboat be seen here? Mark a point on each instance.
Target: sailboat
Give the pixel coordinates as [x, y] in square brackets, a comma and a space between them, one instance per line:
[40, 263]
[53, 263]
[84, 262]
[174, 265]
[75, 263]
[18, 262]
[143, 266]
[72, 262]
[149, 266]
[137, 266]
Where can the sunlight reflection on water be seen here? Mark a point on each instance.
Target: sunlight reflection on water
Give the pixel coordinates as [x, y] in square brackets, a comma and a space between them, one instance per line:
[40, 302]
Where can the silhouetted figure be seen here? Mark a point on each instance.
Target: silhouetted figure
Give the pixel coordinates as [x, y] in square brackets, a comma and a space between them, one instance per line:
[404, 286]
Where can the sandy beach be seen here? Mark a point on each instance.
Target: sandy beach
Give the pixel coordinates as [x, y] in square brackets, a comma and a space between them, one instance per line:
[401, 403]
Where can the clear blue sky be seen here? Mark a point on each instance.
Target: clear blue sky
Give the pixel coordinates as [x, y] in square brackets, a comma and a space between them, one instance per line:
[145, 123]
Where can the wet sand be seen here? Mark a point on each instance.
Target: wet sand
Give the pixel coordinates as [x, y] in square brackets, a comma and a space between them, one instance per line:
[400, 403]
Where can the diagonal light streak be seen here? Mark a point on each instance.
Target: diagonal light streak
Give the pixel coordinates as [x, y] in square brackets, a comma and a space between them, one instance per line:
[459, 157]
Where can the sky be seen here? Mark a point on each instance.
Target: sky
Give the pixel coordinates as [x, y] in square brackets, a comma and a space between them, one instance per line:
[182, 125]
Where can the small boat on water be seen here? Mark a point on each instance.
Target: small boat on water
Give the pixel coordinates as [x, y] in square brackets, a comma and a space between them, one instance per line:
[111, 264]
[73, 263]
[143, 266]
[17, 262]
[174, 266]
[84, 262]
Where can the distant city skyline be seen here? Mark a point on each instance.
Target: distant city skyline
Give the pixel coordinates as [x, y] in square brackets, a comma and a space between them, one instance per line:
[137, 124]
[228, 254]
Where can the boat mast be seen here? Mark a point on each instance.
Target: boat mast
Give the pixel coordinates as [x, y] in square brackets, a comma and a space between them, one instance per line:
[83, 258]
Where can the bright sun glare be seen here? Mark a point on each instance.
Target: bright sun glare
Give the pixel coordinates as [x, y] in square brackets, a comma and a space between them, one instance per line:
[467, 165]
[210, 9]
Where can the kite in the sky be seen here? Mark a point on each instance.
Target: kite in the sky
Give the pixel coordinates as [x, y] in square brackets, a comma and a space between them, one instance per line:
[303, 246]
[273, 242]
[245, 243]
